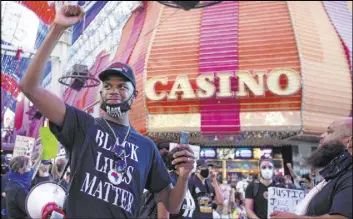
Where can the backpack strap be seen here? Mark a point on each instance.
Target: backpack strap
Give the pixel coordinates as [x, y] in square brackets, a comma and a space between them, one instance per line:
[256, 188]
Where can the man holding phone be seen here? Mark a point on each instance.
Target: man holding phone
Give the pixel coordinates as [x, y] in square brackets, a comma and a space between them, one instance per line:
[205, 190]
[117, 162]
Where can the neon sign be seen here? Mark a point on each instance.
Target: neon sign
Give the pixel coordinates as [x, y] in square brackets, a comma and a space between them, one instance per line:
[206, 87]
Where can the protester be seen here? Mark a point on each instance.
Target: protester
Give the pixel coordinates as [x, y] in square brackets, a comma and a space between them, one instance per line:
[256, 195]
[205, 191]
[332, 197]
[226, 194]
[288, 183]
[20, 176]
[188, 207]
[117, 162]
[332, 161]
[58, 170]
[4, 181]
[242, 184]
[43, 174]
[339, 130]
[237, 206]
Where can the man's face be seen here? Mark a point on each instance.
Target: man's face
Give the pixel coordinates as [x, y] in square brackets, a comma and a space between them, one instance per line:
[335, 132]
[116, 90]
[324, 154]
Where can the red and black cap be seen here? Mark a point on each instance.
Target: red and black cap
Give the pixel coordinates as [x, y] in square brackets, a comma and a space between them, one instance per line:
[118, 69]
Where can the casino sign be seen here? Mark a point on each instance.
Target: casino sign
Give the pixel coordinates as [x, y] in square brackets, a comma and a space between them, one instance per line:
[206, 87]
[236, 72]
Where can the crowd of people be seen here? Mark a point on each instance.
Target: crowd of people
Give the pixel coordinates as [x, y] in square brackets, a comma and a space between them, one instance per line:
[112, 164]
[19, 176]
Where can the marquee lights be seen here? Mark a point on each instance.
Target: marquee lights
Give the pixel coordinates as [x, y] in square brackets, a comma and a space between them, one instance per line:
[107, 25]
[207, 88]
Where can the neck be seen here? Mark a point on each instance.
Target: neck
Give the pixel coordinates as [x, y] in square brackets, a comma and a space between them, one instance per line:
[201, 178]
[123, 120]
[265, 181]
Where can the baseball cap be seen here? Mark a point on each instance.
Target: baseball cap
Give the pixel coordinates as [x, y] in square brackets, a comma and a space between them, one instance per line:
[46, 162]
[118, 69]
[201, 163]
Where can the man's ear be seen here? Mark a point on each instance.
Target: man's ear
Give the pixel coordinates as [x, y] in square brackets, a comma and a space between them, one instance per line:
[135, 94]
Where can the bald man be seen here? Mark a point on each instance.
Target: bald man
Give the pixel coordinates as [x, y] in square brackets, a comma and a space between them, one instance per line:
[339, 130]
[332, 197]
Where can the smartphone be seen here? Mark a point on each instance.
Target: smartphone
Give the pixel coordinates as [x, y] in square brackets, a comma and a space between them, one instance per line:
[184, 137]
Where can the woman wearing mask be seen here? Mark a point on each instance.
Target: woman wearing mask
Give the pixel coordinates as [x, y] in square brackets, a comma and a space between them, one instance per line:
[237, 206]
[256, 194]
[20, 176]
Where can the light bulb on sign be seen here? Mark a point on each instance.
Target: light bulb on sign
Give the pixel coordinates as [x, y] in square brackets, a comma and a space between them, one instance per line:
[112, 22]
[107, 29]
[109, 7]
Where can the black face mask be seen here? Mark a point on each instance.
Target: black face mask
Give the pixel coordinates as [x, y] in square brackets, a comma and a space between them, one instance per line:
[205, 173]
[117, 110]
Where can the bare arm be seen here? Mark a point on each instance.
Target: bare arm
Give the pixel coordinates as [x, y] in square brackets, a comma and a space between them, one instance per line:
[232, 200]
[48, 103]
[218, 197]
[162, 211]
[249, 206]
[291, 171]
[172, 199]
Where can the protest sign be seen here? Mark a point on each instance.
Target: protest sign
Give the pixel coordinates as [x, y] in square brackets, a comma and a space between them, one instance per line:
[49, 142]
[23, 146]
[281, 199]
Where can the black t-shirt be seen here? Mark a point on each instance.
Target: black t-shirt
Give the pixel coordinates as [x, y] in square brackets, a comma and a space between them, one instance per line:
[92, 194]
[188, 207]
[260, 200]
[203, 195]
[334, 198]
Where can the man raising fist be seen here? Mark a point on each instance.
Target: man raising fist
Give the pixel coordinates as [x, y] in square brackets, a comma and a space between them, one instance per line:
[111, 163]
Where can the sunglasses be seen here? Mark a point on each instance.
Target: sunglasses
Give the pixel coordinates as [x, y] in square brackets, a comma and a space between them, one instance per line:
[119, 158]
[267, 167]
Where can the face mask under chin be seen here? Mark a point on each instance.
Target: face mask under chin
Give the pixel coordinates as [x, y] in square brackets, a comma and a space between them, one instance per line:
[116, 110]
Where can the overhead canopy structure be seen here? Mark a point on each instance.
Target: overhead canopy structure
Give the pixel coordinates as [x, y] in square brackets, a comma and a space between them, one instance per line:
[240, 68]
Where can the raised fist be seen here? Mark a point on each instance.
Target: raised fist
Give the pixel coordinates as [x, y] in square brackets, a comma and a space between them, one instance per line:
[68, 15]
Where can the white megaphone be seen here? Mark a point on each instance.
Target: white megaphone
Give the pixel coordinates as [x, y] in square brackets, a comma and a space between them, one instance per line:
[46, 200]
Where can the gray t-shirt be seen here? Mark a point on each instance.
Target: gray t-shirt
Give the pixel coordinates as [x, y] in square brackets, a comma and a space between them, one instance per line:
[92, 195]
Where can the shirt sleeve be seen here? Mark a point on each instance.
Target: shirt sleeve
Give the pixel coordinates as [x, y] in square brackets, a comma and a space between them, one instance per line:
[158, 177]
[74, 128]
[342, 203]
[249, 191]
